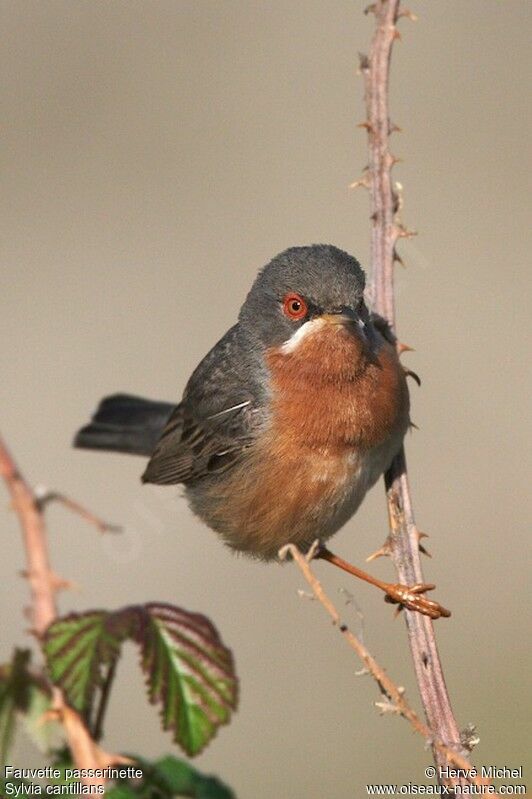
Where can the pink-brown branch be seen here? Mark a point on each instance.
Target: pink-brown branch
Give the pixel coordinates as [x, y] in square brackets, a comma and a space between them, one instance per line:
[44, 584]
[45, 497]
[385, 232]
[394, 700]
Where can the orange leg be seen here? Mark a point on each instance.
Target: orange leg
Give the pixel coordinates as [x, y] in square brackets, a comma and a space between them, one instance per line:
[403, 595]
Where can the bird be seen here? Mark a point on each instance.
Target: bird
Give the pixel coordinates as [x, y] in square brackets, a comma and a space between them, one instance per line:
[287, 422]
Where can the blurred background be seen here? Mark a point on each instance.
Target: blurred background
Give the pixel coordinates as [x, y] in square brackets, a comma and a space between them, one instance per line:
[155, 155]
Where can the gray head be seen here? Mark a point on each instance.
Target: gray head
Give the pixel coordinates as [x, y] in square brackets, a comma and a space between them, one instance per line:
[299, 285]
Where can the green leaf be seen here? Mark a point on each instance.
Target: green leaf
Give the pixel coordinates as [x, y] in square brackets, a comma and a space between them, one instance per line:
[189, 671]
[184, 780]
[177, 776]
[15, 681]
[46, 733]
[81, 649]
[121, 792]
[25, 696]
[7, 717]
[167, 778]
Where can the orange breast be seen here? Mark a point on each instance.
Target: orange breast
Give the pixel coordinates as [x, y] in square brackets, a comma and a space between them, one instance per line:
[337, 418]
[331, 394]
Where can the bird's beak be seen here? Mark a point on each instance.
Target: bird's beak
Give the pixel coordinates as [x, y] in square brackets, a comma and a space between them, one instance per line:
[338, 318]
[347, 318]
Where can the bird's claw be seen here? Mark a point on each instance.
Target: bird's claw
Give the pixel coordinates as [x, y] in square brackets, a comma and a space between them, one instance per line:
[411, 597]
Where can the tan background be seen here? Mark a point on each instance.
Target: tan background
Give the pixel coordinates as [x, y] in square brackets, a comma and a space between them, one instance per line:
[155, 155]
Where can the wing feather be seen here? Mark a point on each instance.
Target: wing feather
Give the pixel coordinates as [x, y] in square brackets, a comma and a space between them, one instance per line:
[190, 449]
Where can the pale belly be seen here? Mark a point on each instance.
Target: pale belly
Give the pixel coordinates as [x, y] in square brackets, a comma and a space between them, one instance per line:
[272, 501]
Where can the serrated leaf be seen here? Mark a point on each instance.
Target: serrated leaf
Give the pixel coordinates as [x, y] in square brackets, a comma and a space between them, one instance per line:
[177, 776]
[81, 649]
[185, 780]
[190, 673]
[46, 733]
[7, 723]
[15, 681]
[25, 696]
[169, 778]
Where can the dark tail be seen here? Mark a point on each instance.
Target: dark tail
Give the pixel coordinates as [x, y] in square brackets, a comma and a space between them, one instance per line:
[123, 423]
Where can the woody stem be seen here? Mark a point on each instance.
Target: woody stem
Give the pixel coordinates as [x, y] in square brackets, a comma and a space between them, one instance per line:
[386, 230]
[43, 588]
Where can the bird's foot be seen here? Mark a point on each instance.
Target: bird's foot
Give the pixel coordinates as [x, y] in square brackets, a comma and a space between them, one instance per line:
[404, 596]
[411, 597]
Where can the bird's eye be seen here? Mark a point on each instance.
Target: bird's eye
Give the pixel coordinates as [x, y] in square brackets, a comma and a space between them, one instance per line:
[295, 306]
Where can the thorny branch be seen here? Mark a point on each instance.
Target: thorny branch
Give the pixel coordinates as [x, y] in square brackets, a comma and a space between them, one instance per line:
[44, 497]
[44, 584]
[394, 700]
[386, 230]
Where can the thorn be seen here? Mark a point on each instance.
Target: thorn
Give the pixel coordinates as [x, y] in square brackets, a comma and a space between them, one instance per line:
[393, 128]
[367, 125]
[361, 183]
[52, 714]
[60, 584]
[374, 216]
[404, 348]
[403, 232]
[371, 9]
[408, 15]
[395, 160]
[362, 672]
[413, 375]
[424, 551]
[364, 180]
[397, 34]
[419, 536]
[398, 259]
[387, 706]
[57, 583]
[413, 425]
[363, 62]
[384, 552]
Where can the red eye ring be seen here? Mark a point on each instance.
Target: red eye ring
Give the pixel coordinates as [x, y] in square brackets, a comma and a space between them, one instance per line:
[294, 306]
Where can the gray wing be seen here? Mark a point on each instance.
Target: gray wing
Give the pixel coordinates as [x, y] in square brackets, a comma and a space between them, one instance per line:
[215, 423]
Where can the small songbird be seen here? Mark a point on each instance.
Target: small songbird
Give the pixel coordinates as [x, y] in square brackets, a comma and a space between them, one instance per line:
[290, 418]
